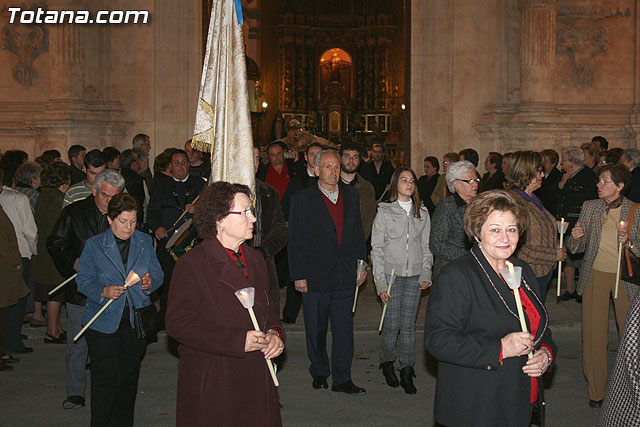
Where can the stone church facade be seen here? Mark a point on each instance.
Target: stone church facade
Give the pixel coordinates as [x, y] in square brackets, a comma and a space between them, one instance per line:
[496, 75]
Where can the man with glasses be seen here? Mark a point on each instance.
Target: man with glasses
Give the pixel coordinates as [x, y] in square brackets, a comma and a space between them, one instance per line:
[578, 183]
[170, 198]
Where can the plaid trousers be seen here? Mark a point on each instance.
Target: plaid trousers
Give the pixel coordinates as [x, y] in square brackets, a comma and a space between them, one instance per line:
[400, 319]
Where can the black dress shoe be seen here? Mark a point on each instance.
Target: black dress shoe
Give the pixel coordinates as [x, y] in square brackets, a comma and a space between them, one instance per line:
[579, 299]
[595, 403]
[319, 382]
[73, 402]
[566, 296]
[23, 351]
[349, 388]
[289, 321]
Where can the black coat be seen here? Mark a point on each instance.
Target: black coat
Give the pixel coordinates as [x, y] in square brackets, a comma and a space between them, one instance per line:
[492, 182]
[581, 187]
[314, 253]
[297, 184]
[78, 222]
[548, 192]
[425, 188]
[270, 230]
[634, 191]
[169, 200]
[466, 319]
[134, 183]
[378, 180]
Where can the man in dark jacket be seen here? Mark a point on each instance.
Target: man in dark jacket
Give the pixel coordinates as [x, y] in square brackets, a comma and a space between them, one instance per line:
[631, 159]
[78, 222]
[170, 199]
[578, 184]
[548, 192]
[378, 172]
[269, 231]
[298, 183]
[325, 242]
[133, 181]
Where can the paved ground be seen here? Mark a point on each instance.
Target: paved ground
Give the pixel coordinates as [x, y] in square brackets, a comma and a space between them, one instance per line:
[32, 394]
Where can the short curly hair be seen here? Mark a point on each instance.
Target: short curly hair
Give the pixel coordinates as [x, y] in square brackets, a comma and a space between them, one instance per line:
[54, 175]
[522, 169]
[214, 204]
[481, 206]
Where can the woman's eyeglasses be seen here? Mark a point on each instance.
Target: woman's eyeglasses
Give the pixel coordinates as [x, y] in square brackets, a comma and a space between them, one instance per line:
[469, 181]
[247, 212]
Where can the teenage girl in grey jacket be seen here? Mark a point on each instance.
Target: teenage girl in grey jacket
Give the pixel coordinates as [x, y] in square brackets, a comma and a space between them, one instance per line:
[400, 242]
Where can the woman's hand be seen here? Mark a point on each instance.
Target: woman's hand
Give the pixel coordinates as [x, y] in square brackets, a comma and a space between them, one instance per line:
[275, 346]
[255, 341]
[146, 282]
[424, 285]
[385, 297]
[516, 344]
[363, 276]
[577, 232]
[561, 254]
[112, 292]
[623, 236]
[537, 365]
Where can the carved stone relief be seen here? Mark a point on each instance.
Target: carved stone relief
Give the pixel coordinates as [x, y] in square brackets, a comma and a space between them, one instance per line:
[27, 42]
[580, 44]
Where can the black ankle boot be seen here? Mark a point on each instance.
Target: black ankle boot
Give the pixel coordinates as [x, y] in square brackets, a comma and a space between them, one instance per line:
[406, 380]
[389, 374]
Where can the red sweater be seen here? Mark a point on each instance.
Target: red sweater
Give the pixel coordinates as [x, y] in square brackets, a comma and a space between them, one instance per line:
[337, 213]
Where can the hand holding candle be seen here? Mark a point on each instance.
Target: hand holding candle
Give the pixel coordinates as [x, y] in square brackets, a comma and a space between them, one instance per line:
[622, 225]
[245, 296]
[384, 309]
[362, 265]
[562, 228]
[131, 280]
[512, 275]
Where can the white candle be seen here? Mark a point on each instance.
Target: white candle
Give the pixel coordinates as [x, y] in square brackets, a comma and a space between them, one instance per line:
[516, 295]
[621, 226]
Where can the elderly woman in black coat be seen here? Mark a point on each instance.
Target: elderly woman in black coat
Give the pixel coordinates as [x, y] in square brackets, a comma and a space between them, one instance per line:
[473, 329]
[447, 238]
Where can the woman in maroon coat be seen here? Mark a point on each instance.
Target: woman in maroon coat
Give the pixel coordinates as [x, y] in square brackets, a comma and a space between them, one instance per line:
[223, 378]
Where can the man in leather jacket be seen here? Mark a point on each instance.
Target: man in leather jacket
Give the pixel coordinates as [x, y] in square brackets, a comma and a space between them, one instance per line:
[78, 222]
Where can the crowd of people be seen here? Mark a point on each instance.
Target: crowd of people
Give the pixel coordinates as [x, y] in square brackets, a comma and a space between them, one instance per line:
[130, 239]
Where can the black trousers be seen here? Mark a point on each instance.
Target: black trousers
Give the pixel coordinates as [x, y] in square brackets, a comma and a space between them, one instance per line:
[115, 368]
[292, 304]
[319, 309]
[167, 263]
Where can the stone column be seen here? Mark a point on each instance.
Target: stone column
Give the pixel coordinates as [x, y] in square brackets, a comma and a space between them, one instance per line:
[67, 53]
[537, 50]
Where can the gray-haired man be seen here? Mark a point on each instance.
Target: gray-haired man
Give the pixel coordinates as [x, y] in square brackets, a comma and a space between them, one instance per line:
[78, 222]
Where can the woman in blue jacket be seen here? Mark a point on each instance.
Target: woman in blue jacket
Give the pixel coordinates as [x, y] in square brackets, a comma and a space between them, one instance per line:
[115, 350]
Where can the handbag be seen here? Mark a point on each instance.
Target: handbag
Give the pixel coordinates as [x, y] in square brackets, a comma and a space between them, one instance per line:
[145, 320]
[631, 265]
